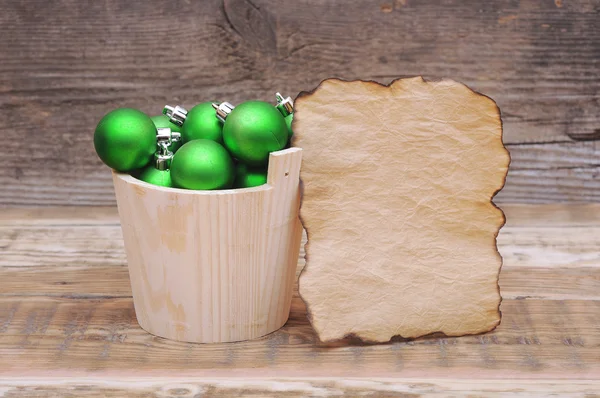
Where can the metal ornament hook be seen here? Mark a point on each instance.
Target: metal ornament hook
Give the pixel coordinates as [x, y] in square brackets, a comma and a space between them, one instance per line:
[163, 156]
[164, 134]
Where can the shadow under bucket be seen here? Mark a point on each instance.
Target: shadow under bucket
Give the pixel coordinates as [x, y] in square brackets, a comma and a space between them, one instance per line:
[213, 266]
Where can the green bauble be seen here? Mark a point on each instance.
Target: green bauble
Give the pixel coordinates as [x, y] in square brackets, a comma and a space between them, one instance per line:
[246, 177]
[154, 176]
[175, 145]
[202, 164]
[202, 123]
[125, 139]
[162, 121]
[288, 122]
[253, 130]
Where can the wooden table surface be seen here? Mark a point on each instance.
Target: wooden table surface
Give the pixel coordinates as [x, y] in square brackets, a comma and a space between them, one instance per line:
[68, 328]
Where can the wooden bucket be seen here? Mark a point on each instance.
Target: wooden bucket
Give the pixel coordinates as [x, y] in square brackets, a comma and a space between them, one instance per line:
[213, 266]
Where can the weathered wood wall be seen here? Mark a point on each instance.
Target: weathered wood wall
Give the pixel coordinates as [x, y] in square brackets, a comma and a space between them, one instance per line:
[65, 63]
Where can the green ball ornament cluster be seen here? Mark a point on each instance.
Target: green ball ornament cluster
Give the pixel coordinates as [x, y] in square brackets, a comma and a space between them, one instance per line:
[211, 146]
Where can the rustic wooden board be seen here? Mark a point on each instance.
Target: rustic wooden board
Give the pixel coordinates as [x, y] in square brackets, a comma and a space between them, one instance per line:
[85, 256]
[580, 283]
[537, 339]
[276, 387]
[67, 316]
[518, 215]
[65, 64]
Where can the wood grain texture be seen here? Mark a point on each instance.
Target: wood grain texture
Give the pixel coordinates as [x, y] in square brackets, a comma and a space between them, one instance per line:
[69, 328]
[67, 63]
[213, 266]
[295, 387]
[538, 338]
[59, 253]
[401, 228]
[275, 387]
[580, 283]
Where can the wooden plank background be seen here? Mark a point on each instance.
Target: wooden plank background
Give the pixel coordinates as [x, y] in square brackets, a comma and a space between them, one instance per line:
[65, 63]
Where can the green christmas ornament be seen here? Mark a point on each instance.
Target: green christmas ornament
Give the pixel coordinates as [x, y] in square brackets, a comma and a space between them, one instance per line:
[252, 130]
[202, 164]
[246, 177]
[288, 122]
[162, 121]
[158, 173]
[202, 123]
[152, 175]
[125, 139]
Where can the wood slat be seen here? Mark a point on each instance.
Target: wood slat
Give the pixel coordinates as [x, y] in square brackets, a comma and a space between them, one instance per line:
[275, 387]
[59, 216]
[550, 215]
[537, 338]
[548, 283]
[67, 63]
[534, 236]
[574, 184]
[86, 258]
[550, 247]
[529, 215]
[62, 245]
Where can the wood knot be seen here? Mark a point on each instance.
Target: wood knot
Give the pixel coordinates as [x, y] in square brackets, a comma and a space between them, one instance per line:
[254, 24]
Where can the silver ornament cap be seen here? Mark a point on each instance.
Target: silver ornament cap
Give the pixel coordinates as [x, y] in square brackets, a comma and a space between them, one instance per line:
[176, 115]
[164, 134]
[284, 105]
[223, 110]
